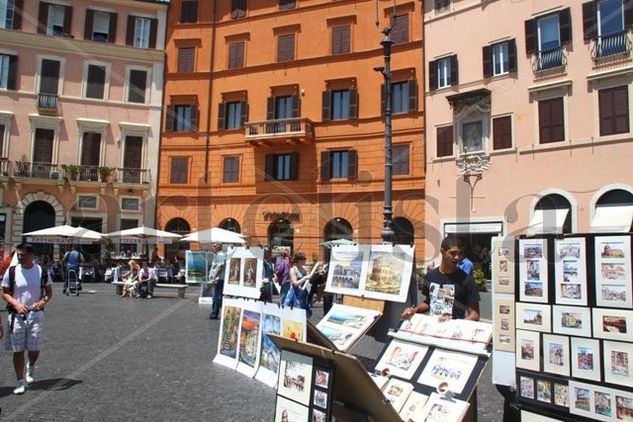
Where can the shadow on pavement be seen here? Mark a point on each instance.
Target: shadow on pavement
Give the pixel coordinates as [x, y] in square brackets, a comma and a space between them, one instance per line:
[59, 384]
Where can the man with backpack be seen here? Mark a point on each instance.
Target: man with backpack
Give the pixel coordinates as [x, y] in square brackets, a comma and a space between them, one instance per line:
[26, 288]
[72, 259]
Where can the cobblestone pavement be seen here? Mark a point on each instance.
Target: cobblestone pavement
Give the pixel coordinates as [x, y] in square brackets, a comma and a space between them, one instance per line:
[112, 359]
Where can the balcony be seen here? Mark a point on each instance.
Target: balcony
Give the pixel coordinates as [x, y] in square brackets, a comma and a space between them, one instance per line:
[300, 129]
[5, 167]
[37, 170]
[47, 104]
[132, 176]
[88, 173]
[611, 45]
[549, 60]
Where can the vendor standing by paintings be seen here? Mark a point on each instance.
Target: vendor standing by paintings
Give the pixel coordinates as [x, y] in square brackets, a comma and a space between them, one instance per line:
[448, 291]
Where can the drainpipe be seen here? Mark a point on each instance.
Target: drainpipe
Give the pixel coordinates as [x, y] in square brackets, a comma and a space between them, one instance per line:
[208, 137]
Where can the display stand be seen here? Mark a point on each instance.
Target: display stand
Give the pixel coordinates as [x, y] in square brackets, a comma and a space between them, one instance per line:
[356, 396]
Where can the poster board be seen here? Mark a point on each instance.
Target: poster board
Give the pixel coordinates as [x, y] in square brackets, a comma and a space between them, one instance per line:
[229, 333]
[270, 355]
[250, 342]
[345, 325]
[243, 272]
[196, 265]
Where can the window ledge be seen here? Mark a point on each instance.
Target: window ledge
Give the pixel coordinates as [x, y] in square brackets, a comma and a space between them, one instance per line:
[579, 143]
[610, 73]
[504, 151]
[550, 85]
[443, 159]
[500, 76]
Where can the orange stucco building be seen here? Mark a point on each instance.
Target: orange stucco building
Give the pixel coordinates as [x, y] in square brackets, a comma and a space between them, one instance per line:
[273, 121]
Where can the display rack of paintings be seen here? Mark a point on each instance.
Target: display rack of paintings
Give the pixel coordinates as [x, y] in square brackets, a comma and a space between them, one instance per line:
[503, 264]
[504, 323]
[533, 279]
[613, 271]
[381, 272]
[196, 265]
[345, 325]
[570, 271]
[243, 273]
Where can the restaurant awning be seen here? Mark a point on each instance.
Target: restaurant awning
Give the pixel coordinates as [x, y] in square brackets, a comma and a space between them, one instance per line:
[547, 221]
[612, 218]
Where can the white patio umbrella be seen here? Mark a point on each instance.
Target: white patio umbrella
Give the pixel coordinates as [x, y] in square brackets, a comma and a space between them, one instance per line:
[63, 234]
[336, 242]
[214, 235]
[150, 234]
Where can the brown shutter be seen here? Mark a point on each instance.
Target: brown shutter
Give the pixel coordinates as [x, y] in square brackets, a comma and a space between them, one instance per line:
[294, 166]
[564, 19]
[502, 133]
[444, 141]
[129, 36]
[353, 103]
[628, 13]
[243, 112]
[325, 107]
[325, 166]
[336, 40]
[383, 99]
[90, 16]
[13, 73]
[454, 71]
[113, 28]
[169, 118]
[530, 36]
[18, 5]
[589, 20]
[512, 55]
[68, 21]
[413, 95]
[296, 106]
[432, 75]
[49, 74]
[486, 53]
[42, 18]
[605, 105]
[221, 116]
[270, 108]
[269, 167]
[621, 108]
[352, 171]
[153, 32]
[194, 117]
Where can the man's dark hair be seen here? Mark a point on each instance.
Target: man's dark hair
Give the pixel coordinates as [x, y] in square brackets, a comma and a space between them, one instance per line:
[26, 247]
[450, 241]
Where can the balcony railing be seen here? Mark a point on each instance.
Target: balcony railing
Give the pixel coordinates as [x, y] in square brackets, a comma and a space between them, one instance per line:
[37, 170]
[296, 127]
[89, 173]
[5, 167]
[610, 45]
[549, 59]
[47, 103]
[132, 175]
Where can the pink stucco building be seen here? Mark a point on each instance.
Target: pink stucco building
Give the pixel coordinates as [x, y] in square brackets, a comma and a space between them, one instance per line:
[80, 109]
[530, 100]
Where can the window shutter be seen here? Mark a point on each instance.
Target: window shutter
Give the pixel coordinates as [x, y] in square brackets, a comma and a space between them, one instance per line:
[628, 13]
[413, 95]
[502, 132]
[352, 172]
[153, 32]
[270, 108]
[13, 74]
[621, 109]
[325, 107]
[90, 14]
[444, 141]
[383, 99]
[606, 112]
[221, 116]
[169, 118]
[454, 71]
[325, 165]
[113, 28]
[68, 21]
[194, 117]
[336, 40]
[564, 17]
[17, 14]
[486, 53]
[42, 18]
[589, 20]
[243, 112]
[294, 166]
[512, 55]
[432, 75]
[269, 171]
[353, 103]
[530, 36]
[296, 106]
[129, 36]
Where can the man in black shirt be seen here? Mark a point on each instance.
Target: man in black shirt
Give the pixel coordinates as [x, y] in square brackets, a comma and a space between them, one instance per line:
[448, 291]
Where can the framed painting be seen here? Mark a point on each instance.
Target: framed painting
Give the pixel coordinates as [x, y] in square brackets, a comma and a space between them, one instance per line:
[452, 369]
[411, 411]
[535, 317]
[528, 350]
[571, 271]
[585, 358]
[613, 271]
[228, 340]
[288, 410]
[295, 377]
[618, 363]
[504, 323]
[503, 264]
[571, 320]
[348, 265]
[397, 392]
[613, 324]
[556, 356]
[389, 272]
[401, 359]
[533, 271]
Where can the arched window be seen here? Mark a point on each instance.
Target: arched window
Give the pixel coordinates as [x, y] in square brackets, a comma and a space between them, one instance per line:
[338, 228]
[404, 231]
[614, 212]
[39, 215]
[281, 233]
[231, 225]
[549, 212]
[179, 226]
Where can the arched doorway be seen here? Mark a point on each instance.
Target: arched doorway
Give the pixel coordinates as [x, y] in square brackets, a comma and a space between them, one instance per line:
[39, 215]
[231, 225]
[555, 201]
[179, 226]
[281, 233]
[615, 202]
[404, 232]
[338, 228]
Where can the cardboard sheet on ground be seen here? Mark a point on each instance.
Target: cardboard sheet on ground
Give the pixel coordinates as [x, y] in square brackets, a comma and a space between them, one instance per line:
[270, 355]
[196, 265]
[243, 272]
[228, 339]
[249, 343]
[345, 325]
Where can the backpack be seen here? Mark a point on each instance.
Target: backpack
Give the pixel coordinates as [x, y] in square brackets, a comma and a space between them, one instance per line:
[11, 270]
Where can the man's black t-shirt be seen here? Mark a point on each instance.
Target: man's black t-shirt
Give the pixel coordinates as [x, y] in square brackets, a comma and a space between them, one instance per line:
[449, 294]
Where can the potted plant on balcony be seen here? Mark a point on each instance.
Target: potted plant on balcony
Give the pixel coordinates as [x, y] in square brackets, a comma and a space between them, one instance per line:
[105, 173]
[72, 171]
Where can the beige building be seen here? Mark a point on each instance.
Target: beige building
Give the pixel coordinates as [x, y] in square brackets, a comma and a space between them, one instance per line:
[528, 118]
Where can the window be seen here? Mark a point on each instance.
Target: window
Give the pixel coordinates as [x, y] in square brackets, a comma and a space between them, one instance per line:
[340, 104]
[610, 17]
[238, 9]
[502, 132]
[282, 166]
[95, 82]
[500, 58]
[91, 149]
[443, 72]
[100, 26]
[287, 4]
[400, 160]
[544, 36]
[179, 170]
[400, 28]
[283, 107]
[189, 12]
[130, 204]
[43, 148]
[614, 110]
[441, 5]
[182, 118]
[286, 48]
[141, 32]
[56, 18]
[85, 201]
[445, 141]
[472, 137]
[8, 71]
[2, 129]
[49, 76]
[551, 120]
[7, 10]
[232, 114]
[186, 59]
[132, 159]
[236, 55]
[404, 96]
[137, 86]
[339, 164]
[231, 169]
[340, 39]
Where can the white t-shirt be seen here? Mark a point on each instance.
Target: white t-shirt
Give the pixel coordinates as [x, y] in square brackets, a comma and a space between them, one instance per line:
[27, 293]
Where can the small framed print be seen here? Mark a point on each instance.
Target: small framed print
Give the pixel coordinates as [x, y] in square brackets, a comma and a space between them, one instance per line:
[561, 394]
[613, 324]
[618, 363]
[320, 398]
[503, 264]
[556, 354]
[571, 320]
[571, 271]
[623, 405]
[581, 395]
[603, 404]
[288, 410]
[544, 390]
[526, 387]
[528, 350]
[613, 271]
[322, 378]
[504, 323]
[533, 278]
[585, 358]
[535, 317]
[295, 377]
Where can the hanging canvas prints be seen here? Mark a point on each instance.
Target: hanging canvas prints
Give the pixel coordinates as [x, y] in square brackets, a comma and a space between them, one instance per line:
[571, 272]
[585, 358]
[196, 265]
[389, 272]
[249, 343]
[270, 355]
[348, 263]
[613, 271]
[228, 344]
[533, 270]
[244, 270]
[293, 323]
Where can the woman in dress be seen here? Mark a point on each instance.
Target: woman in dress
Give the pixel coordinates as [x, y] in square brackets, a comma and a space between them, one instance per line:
[130, 278]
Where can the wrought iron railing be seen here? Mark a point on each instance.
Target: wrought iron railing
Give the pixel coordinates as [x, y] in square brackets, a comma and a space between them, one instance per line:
[5, 167]
[549, 59]
[279, 127]
[47, 102]
[89, 173]
[132, 175]
[37, 170]
[611, 45]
